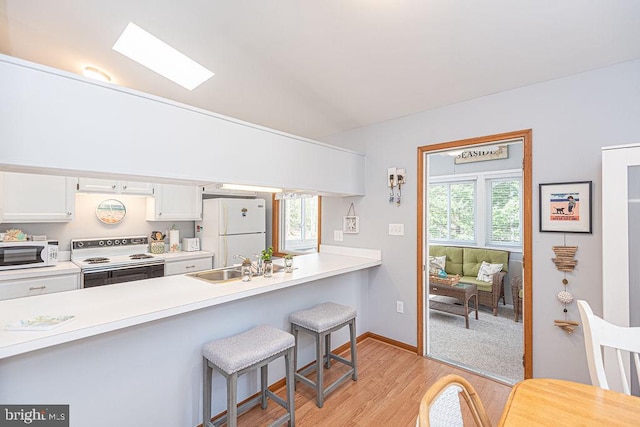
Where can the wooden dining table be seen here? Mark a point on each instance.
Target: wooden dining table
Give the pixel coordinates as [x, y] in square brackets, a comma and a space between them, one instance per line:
[551, 402]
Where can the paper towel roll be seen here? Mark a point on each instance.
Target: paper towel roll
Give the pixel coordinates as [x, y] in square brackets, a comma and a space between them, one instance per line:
[174, 240]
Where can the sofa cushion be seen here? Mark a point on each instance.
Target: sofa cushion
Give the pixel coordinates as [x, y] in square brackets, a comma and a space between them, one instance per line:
[473, 258]
[482, 286]
[453, 264]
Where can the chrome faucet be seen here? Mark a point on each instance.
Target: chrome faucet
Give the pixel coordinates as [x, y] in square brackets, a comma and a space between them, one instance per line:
[257, 267]
[241, 257]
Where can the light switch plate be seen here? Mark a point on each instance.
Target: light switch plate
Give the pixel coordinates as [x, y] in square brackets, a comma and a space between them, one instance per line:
[337, 235]
[396, 229]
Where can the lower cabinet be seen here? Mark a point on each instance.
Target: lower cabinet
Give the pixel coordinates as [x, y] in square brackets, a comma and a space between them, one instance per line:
[18, 288]
[187, 266]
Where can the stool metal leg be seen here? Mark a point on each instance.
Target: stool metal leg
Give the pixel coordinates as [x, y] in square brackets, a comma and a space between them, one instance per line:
[206, 384]
[320, 341]
[352, 331]
[290, 377]
[232, 400]
[327, 350]
[294, 332]
[264, 375]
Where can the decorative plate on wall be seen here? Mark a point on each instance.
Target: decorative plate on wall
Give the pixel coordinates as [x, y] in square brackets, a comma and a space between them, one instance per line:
[111, 211]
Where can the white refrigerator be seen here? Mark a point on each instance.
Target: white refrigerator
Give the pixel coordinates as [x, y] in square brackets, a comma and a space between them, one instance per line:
[232, 227]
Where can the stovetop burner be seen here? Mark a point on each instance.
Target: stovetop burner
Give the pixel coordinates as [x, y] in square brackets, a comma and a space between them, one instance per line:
[140, 256]
[96, 260]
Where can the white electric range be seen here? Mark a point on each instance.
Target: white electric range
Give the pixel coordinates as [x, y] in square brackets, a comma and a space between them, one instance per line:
[106, 261]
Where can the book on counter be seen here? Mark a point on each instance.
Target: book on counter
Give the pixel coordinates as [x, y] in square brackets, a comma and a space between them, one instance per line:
[39, 323]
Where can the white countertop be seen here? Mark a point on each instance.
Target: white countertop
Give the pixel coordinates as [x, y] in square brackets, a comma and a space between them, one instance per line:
[108, 308]
[64, 267]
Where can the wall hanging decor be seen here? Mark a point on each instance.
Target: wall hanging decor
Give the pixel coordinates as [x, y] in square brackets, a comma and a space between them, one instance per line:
[566, 207]
[111, 211]
[351, 222]
[564, 262]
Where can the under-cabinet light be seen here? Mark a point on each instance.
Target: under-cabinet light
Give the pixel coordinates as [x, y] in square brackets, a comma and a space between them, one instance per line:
[251, 188]
[146, 49]
[96, 73]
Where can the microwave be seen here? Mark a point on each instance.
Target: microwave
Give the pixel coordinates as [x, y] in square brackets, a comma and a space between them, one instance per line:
[27, 254]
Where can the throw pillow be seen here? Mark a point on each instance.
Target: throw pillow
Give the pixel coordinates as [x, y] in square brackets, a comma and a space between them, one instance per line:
[487, 271]
[437, 263]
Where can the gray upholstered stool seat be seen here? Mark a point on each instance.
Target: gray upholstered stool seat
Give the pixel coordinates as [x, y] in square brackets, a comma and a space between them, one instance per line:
[321, 321]
[235, 355]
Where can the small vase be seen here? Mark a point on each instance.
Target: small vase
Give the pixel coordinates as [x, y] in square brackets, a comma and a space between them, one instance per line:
[288, 265]
[268, 268]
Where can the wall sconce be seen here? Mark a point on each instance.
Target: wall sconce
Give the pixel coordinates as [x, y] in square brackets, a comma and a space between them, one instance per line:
[396, 177]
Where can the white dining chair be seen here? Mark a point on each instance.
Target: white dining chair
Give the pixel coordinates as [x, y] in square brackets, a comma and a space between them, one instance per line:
[440, 405]
[599, 333]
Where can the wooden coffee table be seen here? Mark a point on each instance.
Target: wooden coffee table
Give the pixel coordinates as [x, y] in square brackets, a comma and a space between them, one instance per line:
[462, 292]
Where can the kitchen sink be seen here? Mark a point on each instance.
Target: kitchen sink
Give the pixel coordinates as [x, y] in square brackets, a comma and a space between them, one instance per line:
[218, 276]
[222, 275]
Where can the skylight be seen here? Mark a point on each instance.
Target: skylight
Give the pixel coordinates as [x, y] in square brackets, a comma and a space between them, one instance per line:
[144, 48]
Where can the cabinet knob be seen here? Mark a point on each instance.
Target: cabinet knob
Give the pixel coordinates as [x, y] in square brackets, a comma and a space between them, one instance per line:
[35, 288]
[159, 213]
[68, 213]
[113, 187]
[124, 187]
[190, 266]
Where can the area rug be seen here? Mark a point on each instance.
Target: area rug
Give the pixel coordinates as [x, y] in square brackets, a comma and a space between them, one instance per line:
[493, 345]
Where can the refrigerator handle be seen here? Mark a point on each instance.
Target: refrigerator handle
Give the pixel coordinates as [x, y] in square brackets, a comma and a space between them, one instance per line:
[226, 251]
[225, 216]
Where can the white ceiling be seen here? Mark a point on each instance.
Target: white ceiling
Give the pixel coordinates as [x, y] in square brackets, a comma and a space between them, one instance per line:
[315, 68]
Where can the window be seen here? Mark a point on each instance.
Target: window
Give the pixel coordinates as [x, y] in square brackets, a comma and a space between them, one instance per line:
[454, 201]
[452, 211]
[504, 211]
[297, 224]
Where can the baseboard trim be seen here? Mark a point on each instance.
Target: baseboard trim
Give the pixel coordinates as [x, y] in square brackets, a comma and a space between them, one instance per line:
[399, 344]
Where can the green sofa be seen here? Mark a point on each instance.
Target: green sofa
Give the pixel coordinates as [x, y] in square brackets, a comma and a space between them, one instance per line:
[466, 262]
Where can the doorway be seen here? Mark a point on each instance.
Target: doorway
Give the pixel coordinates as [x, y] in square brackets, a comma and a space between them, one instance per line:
[464, 198]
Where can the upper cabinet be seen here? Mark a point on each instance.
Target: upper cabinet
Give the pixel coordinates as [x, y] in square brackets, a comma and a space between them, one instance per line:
[50, 108]
[175, 203]
[96, 185]
[36, 198]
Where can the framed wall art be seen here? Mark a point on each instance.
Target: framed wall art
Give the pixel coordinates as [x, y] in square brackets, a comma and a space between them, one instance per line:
[565, 207]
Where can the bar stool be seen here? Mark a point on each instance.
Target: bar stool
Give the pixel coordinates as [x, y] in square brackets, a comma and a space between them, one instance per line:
[238, 354]
[321, 321]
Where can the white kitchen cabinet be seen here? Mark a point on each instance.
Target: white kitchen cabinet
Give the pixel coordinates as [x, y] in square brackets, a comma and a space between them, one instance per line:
[97, 185]
[178, 266]
[18, 288]
[175, 203]
[26, 198]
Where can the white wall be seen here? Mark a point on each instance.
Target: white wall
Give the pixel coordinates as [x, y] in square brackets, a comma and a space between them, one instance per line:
[571, 118]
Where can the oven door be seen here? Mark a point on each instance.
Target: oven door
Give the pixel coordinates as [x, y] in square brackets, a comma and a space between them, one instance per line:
[121, 275]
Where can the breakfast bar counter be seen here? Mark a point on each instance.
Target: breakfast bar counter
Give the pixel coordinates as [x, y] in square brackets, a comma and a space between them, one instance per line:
[135, 347]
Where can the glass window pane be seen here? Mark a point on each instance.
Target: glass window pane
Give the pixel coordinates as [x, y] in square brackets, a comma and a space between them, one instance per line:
[438, 201]
[299, 219]
[462, 211]
[505, 211]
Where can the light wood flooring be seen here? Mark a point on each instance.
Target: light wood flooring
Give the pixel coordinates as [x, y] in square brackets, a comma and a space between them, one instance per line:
[391, 382]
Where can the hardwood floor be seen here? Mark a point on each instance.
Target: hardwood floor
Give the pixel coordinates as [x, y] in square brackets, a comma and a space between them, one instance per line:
[391, 382]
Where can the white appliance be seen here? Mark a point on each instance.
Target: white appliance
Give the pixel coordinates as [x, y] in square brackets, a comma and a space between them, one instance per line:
[232, 227]
[190, 244]
[27, 254]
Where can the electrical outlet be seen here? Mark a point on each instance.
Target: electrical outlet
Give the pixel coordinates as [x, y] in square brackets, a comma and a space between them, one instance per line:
[399, 306]
[337, 235]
